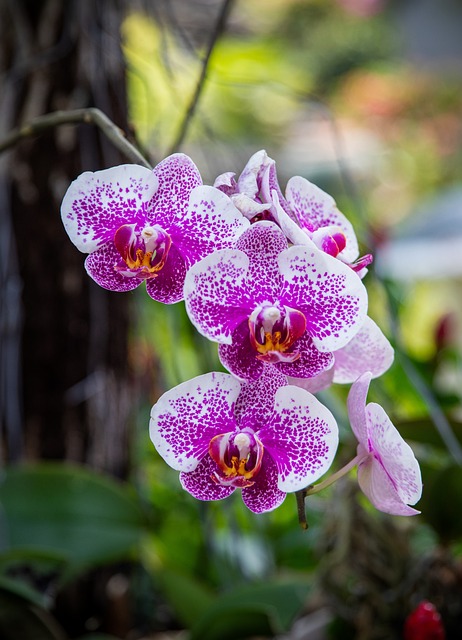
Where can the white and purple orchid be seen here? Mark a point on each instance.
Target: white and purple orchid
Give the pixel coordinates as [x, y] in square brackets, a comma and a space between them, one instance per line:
[306, 214]
[388, 472]
[266, 303]
[140, 225]
[266, 438]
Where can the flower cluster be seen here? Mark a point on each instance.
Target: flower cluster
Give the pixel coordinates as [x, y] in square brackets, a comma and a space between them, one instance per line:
[276, 280]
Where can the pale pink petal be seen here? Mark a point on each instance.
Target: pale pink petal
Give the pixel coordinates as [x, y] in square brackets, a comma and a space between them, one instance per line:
[199, 482]
[97, 204]
[315, 208]
[356, 405]
[315, 384]
[216, 294]
[226, 182]
[393, 454]
[264, 495]
[178, 176]
[247, 206]
[186, 418]
[369, 350]
[379, 488]
[167, 286]
[210, 223]
[100, 267]
[331, 296]
[302, 438]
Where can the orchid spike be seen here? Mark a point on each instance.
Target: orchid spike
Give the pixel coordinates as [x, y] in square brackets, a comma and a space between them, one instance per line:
[266, 303]
[388, 472]
[265, 438]
[140, 225]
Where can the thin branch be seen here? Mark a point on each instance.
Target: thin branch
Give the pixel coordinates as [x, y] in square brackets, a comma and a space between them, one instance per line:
[300, 497]
[91, 116]
[217, 31]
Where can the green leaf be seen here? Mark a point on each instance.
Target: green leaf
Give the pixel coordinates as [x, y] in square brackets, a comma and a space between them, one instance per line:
[69, 512]
[189, 598]
[21, 619]
[263, 610]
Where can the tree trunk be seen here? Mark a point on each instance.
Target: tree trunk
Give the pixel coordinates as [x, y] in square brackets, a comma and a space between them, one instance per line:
[65, 391]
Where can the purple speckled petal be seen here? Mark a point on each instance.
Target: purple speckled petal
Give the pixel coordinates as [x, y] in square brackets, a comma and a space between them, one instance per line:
[199, 482]
[315, 208]
[379, 488]
[255, 403]
[369, 350]
[311, 361]
[211, 223]
[167, 286]
[394, 454]
[302, 438]
[262, 243]
[100, 267]
[216, 294]
[356, 405]
[331, 296]
[97, 204]
[317, 383]
[239, 357]
[178, 176]
[264, 495]
[186, 418]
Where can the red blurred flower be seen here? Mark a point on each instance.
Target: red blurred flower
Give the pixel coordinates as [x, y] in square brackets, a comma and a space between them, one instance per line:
[424, 623]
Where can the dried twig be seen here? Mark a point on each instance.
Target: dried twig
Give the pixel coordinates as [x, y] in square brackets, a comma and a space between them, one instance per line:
[83, 116]
[217, 31]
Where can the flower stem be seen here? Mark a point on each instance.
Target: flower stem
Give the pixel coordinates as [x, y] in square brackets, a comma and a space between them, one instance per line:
[315, 488]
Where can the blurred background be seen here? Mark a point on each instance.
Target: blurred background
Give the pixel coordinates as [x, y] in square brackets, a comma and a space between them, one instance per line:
[97, 538]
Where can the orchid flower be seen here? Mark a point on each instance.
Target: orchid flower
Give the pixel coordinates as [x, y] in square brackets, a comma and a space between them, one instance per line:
[388, 472]
[306, 214]
[266, 303]
[369, 350]
[265, 438]
[140, 225]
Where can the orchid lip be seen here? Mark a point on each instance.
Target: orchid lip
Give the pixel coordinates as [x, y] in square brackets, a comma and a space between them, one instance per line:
[273, 331]
[330, 239]
[143, 253]
[238, 457]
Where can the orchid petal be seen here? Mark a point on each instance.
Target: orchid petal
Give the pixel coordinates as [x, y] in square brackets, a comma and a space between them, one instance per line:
[264, 495]
[199, 482]
[177, 176]
[315, 208]
[315, 384]
[186, 418]
[97, 204]
[100, 267]
[255, 404]
[293, 232]
[369, 350]
[167, 286]
[331, 296]
[211, 223]
[302, 438]
[356, 405]
[226, 182]
[239, 357]
[247, 206]
[249, 181]
[375, 483]
[216, 294]
[310, 361]
[394, 454]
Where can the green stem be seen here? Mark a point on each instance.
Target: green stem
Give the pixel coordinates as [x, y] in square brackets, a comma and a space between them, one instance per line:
[315, 488]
